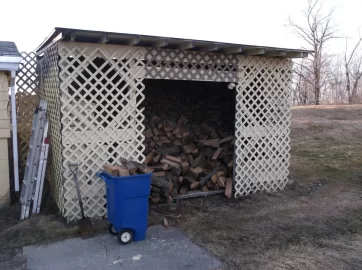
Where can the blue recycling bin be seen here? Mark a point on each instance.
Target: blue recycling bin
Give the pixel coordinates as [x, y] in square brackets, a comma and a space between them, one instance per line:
[127, 205]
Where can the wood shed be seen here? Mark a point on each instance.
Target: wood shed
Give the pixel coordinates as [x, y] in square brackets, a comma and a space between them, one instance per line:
[101, 86]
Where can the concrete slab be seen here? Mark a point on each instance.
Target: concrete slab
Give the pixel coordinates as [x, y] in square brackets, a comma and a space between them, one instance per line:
[163, 249]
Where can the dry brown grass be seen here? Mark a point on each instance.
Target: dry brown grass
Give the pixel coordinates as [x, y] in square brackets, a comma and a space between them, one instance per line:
[316, 224]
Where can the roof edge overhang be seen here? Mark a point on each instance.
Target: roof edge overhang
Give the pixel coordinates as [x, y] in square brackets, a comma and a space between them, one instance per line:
[89, 36]
[10, 63]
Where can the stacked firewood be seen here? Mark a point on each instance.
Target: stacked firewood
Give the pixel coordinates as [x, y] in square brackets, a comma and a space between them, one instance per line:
[191, 147]
[187, 159]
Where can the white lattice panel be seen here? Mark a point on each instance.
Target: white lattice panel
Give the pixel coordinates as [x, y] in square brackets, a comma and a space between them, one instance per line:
[26, 101]
[190, 65]
[262, 125]
[101, 90]
[49, 90]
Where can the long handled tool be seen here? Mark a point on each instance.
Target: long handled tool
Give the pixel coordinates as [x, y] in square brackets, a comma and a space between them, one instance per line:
[85, 224]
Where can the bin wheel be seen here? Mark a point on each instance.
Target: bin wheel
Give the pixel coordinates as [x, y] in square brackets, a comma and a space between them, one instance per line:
[112, 230]
[125, 236]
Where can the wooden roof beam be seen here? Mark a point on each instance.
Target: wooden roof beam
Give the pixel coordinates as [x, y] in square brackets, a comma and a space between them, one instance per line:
[210, 48]
[133, 41]
[72, 36]
[231, 50]
[296, 55]
[251, 52]
[104, 39]
[186, 45]
[276, 53]
[160, 43]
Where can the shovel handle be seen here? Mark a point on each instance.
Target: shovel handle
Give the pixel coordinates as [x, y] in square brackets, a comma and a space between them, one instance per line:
[73, 167]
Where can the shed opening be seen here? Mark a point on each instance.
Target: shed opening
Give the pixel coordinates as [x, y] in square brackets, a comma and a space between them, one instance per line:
[189, 136]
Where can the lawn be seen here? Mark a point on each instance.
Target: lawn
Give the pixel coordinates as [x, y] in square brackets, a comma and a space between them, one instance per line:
[316, 223]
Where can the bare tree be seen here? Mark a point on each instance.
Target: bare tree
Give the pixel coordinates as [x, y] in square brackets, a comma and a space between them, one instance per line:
[353, 70]
[337, 83]
[317, 30]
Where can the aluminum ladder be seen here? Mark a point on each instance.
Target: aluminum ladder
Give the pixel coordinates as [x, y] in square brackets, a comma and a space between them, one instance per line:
[38, 187]
[32, 162]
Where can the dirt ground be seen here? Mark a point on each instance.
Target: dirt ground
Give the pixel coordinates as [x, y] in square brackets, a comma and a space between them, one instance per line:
[316, 223]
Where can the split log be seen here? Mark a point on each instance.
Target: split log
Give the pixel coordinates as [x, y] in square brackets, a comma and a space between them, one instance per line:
[110, 169]
[226, 139]
[176, 131]
[190, 148]
[212, 143]
[155, 189]
[206, 129]
[149, 157]
[170, 162]
[180, 180]
[155, 119]
[174, 193]
[228, 188]
[204, 188]
[154, 199]
[173, 158]
[172, 150]
[122, 170]
[220, 173]
[168, 125]
[148, 133]
[194, 185]
[155, 131]
[159, 174]
[163, 137]
[198, 161]
[197, 172]
[131, 167]
[217, 154]
[165, 187]
[209, 184]
[139, 166]
[214, 178]
[184, 188]
[185, 167]
[116, 170]
[226, 158]
[189, 177]
[208, 152]
[216, 187]
[163, 167]
[221, 180]
[176, 171]
[165, 141]
[152, 144]
[156, 159]
[160, 125]
[177, 142]
[207, 177]
[169, 199]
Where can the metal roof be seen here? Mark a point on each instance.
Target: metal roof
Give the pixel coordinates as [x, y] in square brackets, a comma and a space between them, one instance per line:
[8, 48]
[88, 36]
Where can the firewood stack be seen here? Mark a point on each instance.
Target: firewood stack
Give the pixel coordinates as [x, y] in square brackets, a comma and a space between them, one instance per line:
[189, 142]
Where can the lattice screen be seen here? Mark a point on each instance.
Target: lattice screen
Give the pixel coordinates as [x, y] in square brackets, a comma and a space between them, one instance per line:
[101, 90]
[26, 101]
[262, 125]
[94, 92]
[190, 65]
[49, 90]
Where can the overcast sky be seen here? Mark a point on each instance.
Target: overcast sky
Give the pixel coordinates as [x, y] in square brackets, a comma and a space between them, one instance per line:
[257, 22]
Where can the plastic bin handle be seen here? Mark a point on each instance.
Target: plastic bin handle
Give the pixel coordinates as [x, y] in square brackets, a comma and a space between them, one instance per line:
[102, 176]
